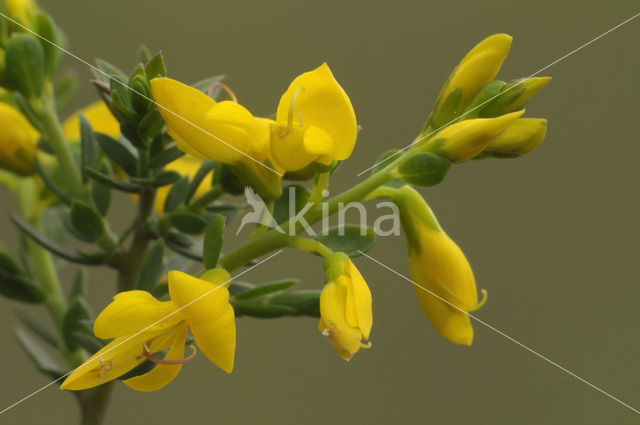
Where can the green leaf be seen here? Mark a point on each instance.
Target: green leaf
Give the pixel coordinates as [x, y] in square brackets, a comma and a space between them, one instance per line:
[228, 211]
[64, 91]
[24, 64]
[183, 250]
[50, 183]
[113, 182]
[20, 288]
[203, 171]
[165, 178]
[153, 267]
[80, 284]
[203, 85]
[237, 287]
[39, 355]
[46, 28]
[165, 157]
[281, 212]
[108, 72]
[36, 327]
[75, 320]
[385, 159]
[87, 220]
[348, 239]
[188, 222]
[177, 194]
[424, 169]
[101, 194]
[228, 180]
[118, 153]
[88, 146]
[52, 246]
[267, 288]
[306, 302]
[261, 308]
[212, 243]
[7, 263]
[155, 67]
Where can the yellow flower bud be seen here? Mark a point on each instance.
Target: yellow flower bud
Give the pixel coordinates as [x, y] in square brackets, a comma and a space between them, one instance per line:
[18, 141]
[465, 139]
[100, 118]
[315, 122]
[447, 287]
[479, 67]
[345, 307]
[20, 10]
[519, 138]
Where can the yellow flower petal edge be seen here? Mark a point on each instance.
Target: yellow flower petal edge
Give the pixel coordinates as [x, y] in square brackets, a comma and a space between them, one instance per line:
[316, 101]
[345, 307]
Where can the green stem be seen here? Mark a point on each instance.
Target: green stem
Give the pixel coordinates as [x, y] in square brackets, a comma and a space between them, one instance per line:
[93, 403]
[57, 141]
[310, 245]
[274, 239]
[320, 184]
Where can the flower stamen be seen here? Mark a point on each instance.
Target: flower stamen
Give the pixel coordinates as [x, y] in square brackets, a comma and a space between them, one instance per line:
[151, 357]
[224, 87]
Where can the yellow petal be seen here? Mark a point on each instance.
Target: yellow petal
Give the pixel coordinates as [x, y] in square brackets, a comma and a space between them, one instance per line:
[320, 101]
[132, 312]
[318, 141]
[162, 374]
[345, 339]
[287, 148]
[18, 140]
[520, 138]
[206, 308]
[362, 301]
[100, 118]
[113, 360]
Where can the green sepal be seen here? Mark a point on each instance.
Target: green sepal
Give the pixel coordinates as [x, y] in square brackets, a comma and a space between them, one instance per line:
[483, 99]
[25, 65]
[424, 169]
[449, 111]
[212, 243]
[153, 267]
[348, 239]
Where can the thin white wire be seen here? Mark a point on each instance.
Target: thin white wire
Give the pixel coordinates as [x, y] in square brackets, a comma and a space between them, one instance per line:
[143, 330]
[419, 139]
[499, 332]
[136, 92]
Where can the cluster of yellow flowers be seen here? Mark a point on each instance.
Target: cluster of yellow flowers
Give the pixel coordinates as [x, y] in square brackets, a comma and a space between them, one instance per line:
[314, 126]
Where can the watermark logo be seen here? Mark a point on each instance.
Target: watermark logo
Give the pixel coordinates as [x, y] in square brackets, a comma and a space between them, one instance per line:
[387, 224]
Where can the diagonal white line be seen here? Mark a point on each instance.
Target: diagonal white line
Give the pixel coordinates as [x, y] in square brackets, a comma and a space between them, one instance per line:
[577, 49]
[135, 91]
[143, 330]
[499, 332]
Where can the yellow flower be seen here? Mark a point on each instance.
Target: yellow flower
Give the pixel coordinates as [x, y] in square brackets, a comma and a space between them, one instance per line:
[18, 141]
[20, 10]
[100, 118]
[187, 166]
[345, 307]
[140, 326]
[224, 132]
[477, 68]
[315, 122]
[519, 138]
[465, 139]
[447, 286]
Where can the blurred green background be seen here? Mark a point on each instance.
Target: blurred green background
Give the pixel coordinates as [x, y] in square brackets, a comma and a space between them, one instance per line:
[553, 236]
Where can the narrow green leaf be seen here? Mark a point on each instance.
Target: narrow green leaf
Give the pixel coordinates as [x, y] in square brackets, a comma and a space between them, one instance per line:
[7, 263]
[177, 194]
[155, 67]
[75, 320]
[20, 288]
[64, 90]
[188, 222]
[348, 239]
[88, 146]
[153, 267]
[260, 308]
[306, 302]
[36, 327]
[165, 178]
[50, 183]
[113, 182]
[80, 284]
[183, 250]
[165, 157]
[101, 193]
[43, 360]
[267, 288]
[212, 243]
[203, 171]
[118, 153]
